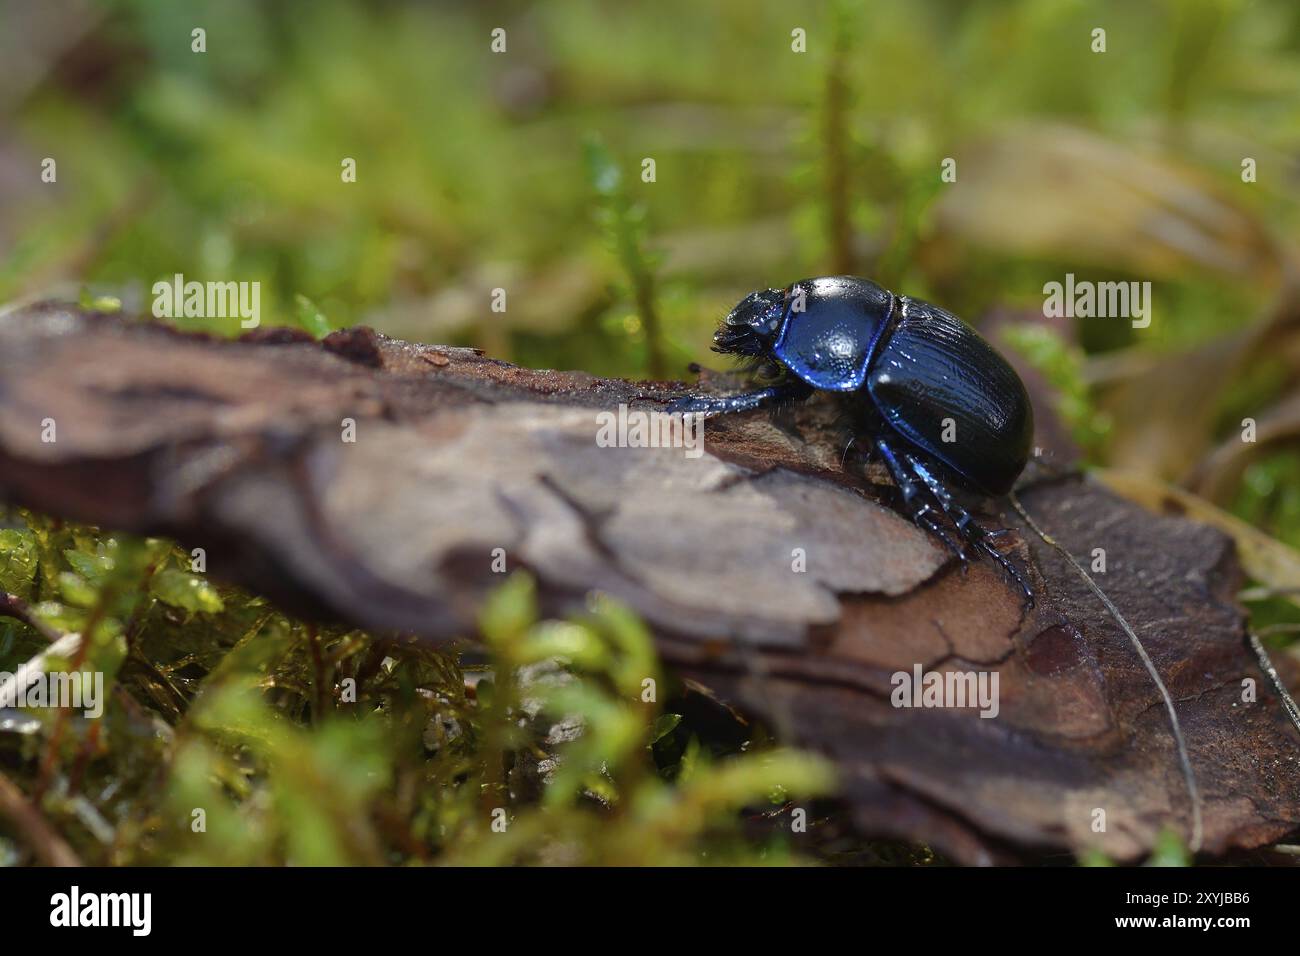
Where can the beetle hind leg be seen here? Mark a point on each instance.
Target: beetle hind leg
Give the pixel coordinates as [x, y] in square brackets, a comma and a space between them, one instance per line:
[919, 509]
[970, 530]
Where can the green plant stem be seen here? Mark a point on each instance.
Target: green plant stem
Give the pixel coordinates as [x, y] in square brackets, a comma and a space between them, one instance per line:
[835, 158]
[643, 284]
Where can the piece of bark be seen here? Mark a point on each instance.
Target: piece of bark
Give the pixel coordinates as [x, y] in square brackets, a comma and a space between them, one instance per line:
[238, 447]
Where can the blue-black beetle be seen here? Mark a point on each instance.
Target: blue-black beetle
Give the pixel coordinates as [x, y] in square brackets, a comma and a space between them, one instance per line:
[934, 400]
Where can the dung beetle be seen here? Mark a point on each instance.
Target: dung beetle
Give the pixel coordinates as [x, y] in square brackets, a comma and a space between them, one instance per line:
[924, 391]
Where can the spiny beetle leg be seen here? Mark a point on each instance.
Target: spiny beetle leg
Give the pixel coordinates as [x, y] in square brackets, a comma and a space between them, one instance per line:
[967, 526]
[920, 511]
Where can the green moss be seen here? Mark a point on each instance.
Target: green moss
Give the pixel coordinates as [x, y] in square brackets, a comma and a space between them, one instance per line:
[236, 735]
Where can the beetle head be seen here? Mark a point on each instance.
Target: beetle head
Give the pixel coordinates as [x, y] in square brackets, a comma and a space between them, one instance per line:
[751, 327]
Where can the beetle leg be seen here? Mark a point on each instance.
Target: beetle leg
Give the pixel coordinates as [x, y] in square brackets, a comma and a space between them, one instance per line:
[920, 510]
[730, 404]
[967, 526]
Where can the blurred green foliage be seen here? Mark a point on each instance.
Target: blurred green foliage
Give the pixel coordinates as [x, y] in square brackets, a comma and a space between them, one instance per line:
[1270, 496]
[624, 223]
[235, 735]
[469, 164]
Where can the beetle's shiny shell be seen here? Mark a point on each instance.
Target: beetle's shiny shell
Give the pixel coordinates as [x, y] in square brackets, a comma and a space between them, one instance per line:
[831, 342]
[932, 367]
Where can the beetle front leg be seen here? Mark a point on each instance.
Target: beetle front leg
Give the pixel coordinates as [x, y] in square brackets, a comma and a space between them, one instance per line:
[743, 402]
[970, 530]
[916, 506]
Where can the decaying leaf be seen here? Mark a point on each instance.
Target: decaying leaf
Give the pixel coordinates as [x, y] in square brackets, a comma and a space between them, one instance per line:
[1263, 558]
[1123, 208]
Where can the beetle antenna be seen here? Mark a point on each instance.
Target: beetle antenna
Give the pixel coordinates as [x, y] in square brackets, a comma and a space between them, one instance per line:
[845, 457]
[1266, 665]
[1189, 776]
